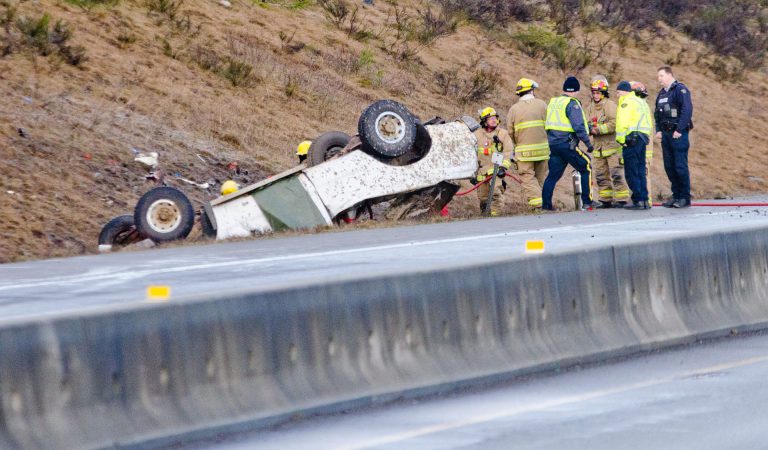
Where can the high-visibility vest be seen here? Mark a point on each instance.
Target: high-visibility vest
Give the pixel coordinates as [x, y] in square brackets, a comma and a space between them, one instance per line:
[557, 119]
[632, 116]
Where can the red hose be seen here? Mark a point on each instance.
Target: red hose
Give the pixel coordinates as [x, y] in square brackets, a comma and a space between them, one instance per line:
[459, 194]
[724, 204]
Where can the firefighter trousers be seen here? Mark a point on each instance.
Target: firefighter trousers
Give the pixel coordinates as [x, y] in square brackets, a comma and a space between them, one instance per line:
[497, 201]
[609, 177]
[532, 176]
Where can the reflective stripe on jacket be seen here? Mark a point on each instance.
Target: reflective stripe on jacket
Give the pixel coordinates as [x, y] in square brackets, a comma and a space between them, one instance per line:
[526, 120]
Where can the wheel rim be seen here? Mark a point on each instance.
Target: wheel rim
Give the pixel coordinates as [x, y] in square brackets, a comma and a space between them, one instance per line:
[163, 216]
[390, 127]
[333, 151]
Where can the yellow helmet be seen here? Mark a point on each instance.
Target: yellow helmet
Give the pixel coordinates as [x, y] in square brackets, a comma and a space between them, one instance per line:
[525, 85]
[486, 113]
[303, 148]
[599, 85]
[229, 187]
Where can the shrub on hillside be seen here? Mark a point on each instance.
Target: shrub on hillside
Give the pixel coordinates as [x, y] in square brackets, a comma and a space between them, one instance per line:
[479, 85]
[37, 35]
[554, 49]
[497, 13]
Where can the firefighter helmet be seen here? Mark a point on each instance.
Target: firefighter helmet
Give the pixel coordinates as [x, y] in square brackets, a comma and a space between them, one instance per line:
[486, 113]
[229, 187]
[525, 85]
[639, 88]
[599, 86]
[303, 148]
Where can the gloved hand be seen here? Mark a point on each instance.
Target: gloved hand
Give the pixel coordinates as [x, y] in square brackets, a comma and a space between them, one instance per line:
[502, 172]
[473, 181]
[590, 149]
[594, 131]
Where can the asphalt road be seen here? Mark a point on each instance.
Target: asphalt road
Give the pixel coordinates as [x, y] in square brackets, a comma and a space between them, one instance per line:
[708, 396]
[77, 285]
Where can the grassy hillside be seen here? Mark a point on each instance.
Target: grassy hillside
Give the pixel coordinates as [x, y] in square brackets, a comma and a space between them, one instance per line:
[87, 83]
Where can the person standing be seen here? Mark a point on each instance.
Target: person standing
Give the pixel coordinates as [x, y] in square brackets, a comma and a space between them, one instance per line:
[633, 132]
[642, 92]
[491, 138]
[526, 120]
[566, 125]
[609, 174]
[674, 120]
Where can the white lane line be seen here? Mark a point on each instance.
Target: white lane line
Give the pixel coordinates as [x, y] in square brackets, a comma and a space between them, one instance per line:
[129, 273]
[545, 405]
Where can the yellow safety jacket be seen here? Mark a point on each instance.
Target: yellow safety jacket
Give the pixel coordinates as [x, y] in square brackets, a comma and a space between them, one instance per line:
[526, 120]
[557, 119]
[632, 116]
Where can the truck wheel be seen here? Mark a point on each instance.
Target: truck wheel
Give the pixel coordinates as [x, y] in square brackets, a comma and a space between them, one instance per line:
[387, 129]
[205, 222]
[164, 214]
[326, 146]
[118, 232]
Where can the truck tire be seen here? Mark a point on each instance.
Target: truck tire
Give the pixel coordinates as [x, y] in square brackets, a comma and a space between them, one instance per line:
[164, 214]
[387, 129]
[205, 223]
[118, 232]
[326, 146]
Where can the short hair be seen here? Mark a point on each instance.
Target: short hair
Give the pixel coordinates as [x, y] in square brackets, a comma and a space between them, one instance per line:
[665, 69]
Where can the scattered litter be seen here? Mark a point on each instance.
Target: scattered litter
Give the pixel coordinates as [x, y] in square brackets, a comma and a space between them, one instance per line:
[11, 192]
[22, 132]
[200, 185]
[87, 156]
[225, 3]
[233, 166]
[202, 159]
[27, 100]
[149, 159]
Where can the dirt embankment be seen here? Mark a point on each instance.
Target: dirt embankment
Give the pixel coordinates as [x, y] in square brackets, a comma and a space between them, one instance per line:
[206, 85]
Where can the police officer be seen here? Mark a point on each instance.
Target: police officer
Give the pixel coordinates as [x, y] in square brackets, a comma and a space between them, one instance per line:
[566, 125]
[673, 116]
[633, 132]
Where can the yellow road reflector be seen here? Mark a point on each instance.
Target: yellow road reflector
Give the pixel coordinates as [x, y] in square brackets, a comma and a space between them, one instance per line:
[156, 293]
[534, 246]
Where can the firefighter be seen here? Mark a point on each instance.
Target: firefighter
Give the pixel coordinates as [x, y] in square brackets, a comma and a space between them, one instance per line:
[609, 174]
[491, 138]
[566, 125]
[674, 120]
[526, 125]
[302, 150]
[633, 132]
[642, 92]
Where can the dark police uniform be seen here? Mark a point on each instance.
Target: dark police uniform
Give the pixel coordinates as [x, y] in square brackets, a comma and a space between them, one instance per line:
[564, 131]
[674, 112]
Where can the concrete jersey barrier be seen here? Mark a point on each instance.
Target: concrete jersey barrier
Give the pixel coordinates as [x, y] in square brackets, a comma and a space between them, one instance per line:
[150, 375]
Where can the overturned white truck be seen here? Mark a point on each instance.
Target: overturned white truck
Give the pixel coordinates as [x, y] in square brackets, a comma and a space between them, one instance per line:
[395, 158]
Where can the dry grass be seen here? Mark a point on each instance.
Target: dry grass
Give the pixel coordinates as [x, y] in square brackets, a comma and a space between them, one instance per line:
[72, 171]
